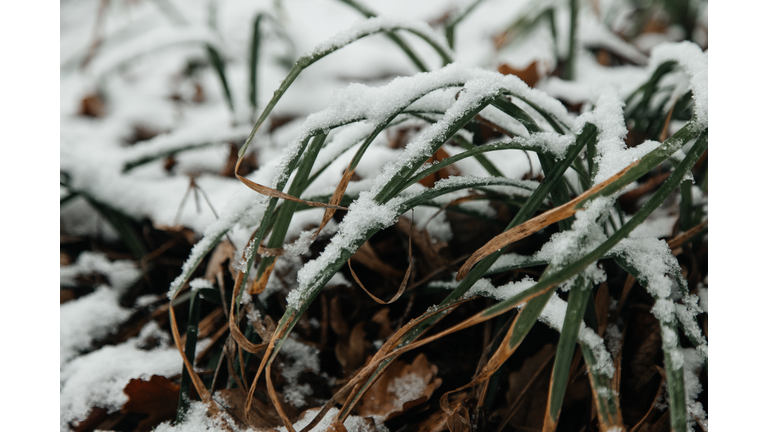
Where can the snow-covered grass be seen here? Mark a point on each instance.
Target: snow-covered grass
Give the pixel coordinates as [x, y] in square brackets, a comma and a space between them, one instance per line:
[190, 73]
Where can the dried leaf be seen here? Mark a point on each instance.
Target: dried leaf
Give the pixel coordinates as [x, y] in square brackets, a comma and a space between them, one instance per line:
[92, 106]
[158, 398]
[529, 75]
[262, 415]
[443, 173]
[382, 318]
[400, 387]
[224, 251]
[351, 352]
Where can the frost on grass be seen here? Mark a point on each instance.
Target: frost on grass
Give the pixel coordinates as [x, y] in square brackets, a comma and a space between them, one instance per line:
[691, 368]
[98, 378]
[695, 63]
[363, 215]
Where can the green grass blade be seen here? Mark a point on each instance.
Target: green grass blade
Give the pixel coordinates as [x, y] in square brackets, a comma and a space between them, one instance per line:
[570, 63]
[162, 154]
[254, 63]
[308, 59]
[185, 387]
[577, 303]
[454, 20]
[215, 57]
[391, 35]
[288, 208]
[551, 280]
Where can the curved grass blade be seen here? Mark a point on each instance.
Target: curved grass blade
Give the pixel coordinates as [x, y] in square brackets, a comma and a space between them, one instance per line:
[455, 19]
[323, 50]
[391, 35]
[218, 64]
[606, 188]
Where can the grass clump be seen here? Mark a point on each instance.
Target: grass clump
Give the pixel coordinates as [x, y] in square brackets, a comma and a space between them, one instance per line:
[476, 205]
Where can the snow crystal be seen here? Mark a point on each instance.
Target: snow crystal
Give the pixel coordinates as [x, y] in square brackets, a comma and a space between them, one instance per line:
[693, 363]
[670, 342]
[301, 245]
[703, 299]
[200, 283]
[86, 319]
[695, 63]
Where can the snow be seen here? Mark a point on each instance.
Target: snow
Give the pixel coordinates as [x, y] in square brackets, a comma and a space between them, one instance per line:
[305, 358]
[98, 378]
[693, 363]
[197, 420]
[121, 274]
[407, 388]
[375, 25]
[695, 63]
[352, 423]
[86, 319]
[141, 64]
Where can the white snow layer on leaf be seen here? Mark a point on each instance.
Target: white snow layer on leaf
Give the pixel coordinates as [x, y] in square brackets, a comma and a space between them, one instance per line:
[363, 215]
[695, 63]
[653, 261]
[553, 315]
[693, 363]
[98, 378]
[120, 274]
[86, 319]
[352, 423]
[150, 42]
[612, 153]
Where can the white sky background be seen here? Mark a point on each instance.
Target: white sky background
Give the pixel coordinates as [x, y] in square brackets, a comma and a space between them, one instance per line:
[29, 171]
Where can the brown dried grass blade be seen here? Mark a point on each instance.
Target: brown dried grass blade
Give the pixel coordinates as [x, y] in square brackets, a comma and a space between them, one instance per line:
[403, 284]
[237, 335]
[258, 285]
[266, 362]
[651, 410]
[275, 400]
[198, 383]
[274, 193]
[537, 223]
[682, 238]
